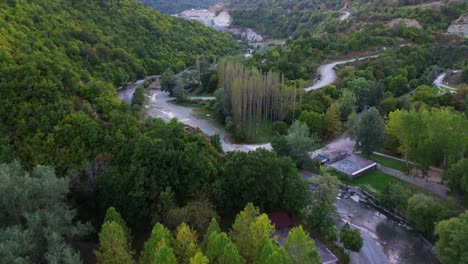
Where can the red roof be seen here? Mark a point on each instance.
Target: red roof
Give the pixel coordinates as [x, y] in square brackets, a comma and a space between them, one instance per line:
[280, 219]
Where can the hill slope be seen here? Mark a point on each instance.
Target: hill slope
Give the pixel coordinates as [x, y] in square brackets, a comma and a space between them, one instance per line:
[60, 56]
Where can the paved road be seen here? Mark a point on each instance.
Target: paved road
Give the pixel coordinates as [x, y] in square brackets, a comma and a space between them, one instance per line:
[439, 82]
[159, 106]
[328, 74]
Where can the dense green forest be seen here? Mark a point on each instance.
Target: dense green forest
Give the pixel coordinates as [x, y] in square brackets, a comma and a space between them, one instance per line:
[282, 19]
[177, 6]
[60, 61]
[75, 160]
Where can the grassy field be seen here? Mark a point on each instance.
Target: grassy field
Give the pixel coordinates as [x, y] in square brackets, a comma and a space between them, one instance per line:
[374, 181]
[388, 162]
[264, 133]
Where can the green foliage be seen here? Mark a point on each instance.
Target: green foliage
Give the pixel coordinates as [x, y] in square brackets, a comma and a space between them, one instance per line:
[320, 218]
[333, 123]
[249, 229]
[465, 74]
[301, 247]
[54, 68]
[220, 249]
[138, 98]
[113, 245]
[164, 254]
[300, 143]
[395, 196]
[168, 81]
[185, 243]
[268, 252]
[215, 141]
[35, 221]
[440, 138]
[424, 211]
[149, 161]
[281, 146]
[199, 258]
[425, 94]
[451, 247]
[346, 104]
[263, 178]
[351, 238]
[369, 131]
[197, 214]
[113, 216]
[157, 246]
[316, 123]
[279, 128]
[457, 177]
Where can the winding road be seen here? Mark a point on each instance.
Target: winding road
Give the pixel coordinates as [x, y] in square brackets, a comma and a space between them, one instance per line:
[395, 248]
[159, 106]
[328, 75]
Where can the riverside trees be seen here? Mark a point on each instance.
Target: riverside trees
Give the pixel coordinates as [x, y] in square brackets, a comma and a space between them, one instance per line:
[441, 136]
[254, 98]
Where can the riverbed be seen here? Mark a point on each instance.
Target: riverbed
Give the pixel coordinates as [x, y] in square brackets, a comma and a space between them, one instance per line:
[383, 235]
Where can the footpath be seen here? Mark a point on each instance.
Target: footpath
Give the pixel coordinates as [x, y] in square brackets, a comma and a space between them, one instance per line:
[435, 188]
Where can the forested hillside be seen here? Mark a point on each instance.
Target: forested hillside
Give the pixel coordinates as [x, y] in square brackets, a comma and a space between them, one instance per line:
[177, 6]
[60, 62]
[281, 19]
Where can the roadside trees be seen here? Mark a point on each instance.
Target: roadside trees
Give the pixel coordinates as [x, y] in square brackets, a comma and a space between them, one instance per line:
[452, 246]
[320, 217]
[300, 143]
[351, 238]
[369, 131]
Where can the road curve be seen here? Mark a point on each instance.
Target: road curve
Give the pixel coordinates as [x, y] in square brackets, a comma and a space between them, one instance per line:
[159, 106]
[328, 75]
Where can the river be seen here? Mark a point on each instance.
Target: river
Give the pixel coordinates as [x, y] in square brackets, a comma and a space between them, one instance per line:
[384, 240]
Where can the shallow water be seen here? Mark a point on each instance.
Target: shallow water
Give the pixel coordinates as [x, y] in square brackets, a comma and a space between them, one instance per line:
[400, 246]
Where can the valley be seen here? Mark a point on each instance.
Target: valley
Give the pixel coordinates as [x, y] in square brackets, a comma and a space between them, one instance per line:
[263, 132]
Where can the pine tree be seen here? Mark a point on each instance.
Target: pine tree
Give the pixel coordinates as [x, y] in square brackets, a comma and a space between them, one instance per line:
[113, 246]
[185, 243]
[160, 236]
[249, 229]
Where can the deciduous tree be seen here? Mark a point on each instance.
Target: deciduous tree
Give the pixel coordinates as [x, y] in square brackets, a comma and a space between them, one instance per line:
[301, 247]
[351, 238]
[185, 243]
[369, 131]
[451, 246]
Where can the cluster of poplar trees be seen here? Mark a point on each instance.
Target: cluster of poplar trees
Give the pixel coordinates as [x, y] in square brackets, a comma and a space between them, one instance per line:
[255, 97]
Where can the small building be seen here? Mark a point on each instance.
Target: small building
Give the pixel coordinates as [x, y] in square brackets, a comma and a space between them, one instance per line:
[353, 166]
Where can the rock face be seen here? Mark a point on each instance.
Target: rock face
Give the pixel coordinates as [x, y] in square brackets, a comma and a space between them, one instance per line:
[459, 26]
[220, 20]
[209, 17]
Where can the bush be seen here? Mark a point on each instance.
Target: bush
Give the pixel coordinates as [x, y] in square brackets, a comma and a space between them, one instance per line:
[279, 128]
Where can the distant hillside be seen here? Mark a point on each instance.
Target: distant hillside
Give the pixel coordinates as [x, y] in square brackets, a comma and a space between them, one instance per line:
[282, 19]
[58, 57]
[177, 6]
